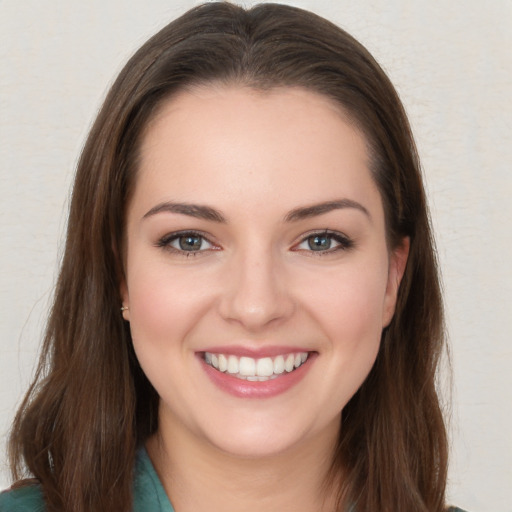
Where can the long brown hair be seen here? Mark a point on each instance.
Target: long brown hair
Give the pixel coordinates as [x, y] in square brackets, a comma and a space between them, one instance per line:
[90, 405]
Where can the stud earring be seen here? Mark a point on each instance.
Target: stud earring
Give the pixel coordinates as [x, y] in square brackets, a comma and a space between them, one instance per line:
[124, 308]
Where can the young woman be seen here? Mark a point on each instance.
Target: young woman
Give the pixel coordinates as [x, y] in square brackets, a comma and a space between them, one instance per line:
[248, 312]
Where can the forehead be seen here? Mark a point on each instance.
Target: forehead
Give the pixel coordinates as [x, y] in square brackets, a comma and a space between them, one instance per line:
[216, 109]
[225, 142]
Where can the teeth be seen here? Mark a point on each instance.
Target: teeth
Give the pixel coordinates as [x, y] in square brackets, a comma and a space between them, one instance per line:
[279, 364]
[247, 366]
[223, 363]
[256, 369]
[265, 367]
[232, 364]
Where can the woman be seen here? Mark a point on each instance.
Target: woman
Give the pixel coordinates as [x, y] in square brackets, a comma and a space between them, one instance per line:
[250, 198]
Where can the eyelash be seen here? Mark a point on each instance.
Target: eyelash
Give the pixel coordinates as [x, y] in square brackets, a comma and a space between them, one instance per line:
[344, 243]
[166, 241]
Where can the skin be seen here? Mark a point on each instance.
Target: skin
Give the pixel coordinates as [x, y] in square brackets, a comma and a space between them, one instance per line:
[255, 282]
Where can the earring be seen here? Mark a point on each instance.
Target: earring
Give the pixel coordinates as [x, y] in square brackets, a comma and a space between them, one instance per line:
[124, 308]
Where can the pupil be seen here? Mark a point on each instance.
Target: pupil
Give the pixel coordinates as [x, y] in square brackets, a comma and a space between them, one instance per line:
[190, 243]
[319, 242]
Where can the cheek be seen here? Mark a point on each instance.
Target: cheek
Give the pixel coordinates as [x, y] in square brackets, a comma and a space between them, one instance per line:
[355, 334]
[352, 302]
[164, 308]
[164, 305]
[351, 317]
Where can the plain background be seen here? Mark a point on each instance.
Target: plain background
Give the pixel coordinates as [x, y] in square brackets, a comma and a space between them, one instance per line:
[451, 62]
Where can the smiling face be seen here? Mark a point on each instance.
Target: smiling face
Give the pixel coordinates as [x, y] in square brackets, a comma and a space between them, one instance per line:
[258, 278]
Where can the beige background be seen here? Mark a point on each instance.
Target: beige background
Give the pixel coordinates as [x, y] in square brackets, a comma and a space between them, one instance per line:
[452, 64]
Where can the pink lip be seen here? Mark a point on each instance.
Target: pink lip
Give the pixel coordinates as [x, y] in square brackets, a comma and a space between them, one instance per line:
[257, 352]
[266, 389]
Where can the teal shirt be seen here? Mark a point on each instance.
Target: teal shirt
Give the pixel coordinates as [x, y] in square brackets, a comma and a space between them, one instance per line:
[148, 493]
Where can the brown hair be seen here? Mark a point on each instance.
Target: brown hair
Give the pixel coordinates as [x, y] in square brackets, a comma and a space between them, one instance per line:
[90, 405]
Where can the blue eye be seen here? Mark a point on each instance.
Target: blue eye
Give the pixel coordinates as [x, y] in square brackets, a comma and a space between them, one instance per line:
[324, 242]
[185, 242]
[320, 242]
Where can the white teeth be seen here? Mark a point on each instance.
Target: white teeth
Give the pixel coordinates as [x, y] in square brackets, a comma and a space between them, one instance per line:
[265, 367]
[279, 364]
[232, 364]
[247, 366]
[289, 363]
[255, 369]
[223, 363]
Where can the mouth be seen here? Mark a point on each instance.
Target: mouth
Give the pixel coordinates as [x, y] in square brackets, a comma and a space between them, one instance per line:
[256, 369]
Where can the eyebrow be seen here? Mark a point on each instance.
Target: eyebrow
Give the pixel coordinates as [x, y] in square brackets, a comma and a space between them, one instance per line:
[211, 214]
[321, 208]
[192, 210]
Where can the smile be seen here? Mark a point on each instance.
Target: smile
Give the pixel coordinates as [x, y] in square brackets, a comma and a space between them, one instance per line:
[251, 369]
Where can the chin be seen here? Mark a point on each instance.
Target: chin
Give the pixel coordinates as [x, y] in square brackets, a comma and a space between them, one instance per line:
[256, 445]
[259, 438]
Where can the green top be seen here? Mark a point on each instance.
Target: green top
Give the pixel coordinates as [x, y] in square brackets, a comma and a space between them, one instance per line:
[148, 492]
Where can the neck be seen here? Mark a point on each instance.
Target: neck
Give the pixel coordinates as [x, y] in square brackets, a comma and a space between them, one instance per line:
[198, 476]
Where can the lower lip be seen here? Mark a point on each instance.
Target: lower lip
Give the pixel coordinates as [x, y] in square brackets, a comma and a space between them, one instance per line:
[247, 389]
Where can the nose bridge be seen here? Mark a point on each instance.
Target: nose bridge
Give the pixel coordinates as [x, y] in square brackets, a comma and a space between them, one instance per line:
[256, 294]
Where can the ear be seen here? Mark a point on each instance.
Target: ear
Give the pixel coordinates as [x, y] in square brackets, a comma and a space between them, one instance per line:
[397, 262]
[123, 287]
[125, 300]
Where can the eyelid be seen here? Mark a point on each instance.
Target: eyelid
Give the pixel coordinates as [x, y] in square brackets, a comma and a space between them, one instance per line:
[343, 241]
[165, 241]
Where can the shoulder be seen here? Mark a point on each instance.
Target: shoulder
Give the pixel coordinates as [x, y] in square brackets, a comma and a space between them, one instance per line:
[148, 492]
[28, 498]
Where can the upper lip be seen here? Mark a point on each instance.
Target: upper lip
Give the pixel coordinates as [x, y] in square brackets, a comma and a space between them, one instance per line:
[255, 352]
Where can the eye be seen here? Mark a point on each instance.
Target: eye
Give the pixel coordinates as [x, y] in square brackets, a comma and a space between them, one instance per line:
[185, 242]
[325, 241]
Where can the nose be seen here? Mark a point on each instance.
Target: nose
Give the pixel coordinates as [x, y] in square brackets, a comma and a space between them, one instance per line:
[255, 293]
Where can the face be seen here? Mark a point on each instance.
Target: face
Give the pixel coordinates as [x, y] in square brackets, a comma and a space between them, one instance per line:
[258, 278]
